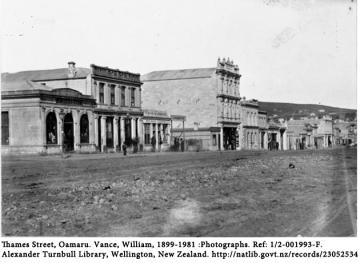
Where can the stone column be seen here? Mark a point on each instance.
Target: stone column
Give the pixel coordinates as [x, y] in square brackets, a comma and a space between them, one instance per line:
[103, 133]
[43, 126]
[221, 138]
[266, 141]
[285, 146]
[91, 127]
[133, 131]
[324, 141]
[96, 130]
[116, 135]
[76, 115]
[278, 138]
[122, 131]
[140, 131]
[151, 130]
[239, 132]
[60, 128]
[156, 136]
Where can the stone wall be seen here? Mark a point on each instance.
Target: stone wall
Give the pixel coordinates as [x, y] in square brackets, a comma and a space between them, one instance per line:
[194, 98]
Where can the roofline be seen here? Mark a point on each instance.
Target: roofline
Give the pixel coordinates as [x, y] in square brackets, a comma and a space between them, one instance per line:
[39, 80]
[172, 70]
[207, 77]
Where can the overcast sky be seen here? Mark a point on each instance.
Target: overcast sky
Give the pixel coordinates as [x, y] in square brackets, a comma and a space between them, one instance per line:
[300, 51]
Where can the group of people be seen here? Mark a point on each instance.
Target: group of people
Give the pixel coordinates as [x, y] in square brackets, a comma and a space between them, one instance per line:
[273, 145]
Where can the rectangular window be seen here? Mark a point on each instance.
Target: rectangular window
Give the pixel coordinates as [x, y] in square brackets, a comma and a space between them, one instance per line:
[101, 93]
[5, 128]
[132, 96]
[112, 94]
[122, 97]
[147, 133]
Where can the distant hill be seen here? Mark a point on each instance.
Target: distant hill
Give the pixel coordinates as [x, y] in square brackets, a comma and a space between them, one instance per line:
[293, 110]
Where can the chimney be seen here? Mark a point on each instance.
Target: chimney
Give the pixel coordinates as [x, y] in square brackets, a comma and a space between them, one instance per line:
[71, 69]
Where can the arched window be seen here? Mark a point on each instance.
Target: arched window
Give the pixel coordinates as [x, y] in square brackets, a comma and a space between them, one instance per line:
[51, 128]
[84, 129]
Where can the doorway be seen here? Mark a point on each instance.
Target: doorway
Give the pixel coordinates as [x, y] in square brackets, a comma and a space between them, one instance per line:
[68, 143]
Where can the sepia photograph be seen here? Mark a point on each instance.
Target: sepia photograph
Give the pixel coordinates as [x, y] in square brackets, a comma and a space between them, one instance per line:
[232, 118]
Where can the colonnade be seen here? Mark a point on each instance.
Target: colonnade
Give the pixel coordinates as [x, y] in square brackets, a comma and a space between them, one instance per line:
[129, 128]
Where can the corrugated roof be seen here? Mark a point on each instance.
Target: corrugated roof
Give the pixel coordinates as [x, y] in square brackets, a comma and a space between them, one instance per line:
[59, 73]
[178, 74]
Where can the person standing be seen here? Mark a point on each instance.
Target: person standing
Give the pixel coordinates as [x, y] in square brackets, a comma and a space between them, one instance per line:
[153, 142]
[124, 148]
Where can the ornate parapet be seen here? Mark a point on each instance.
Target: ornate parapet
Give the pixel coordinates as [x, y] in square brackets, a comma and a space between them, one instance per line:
[227, 67]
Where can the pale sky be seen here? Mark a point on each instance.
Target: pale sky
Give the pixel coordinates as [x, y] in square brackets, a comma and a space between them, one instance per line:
[301, 51]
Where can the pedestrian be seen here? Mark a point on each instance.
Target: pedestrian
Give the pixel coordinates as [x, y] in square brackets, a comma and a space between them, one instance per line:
[124, 148]
[153, 142]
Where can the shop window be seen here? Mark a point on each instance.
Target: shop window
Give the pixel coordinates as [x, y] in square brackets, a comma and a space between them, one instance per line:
[147, 133]
[51, 128]
[5, 128]
[84, 129]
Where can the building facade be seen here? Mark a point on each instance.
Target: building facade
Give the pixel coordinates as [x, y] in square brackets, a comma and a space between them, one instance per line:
[208, 97]
[263, 130]
[344, 132]
[310, 133]
[157, 128]
[249, 125]
[71, 109]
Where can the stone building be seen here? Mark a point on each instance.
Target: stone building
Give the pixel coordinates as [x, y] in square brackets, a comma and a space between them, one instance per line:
[209, 98]
[81, 109]
[36, 118]
[249, 124]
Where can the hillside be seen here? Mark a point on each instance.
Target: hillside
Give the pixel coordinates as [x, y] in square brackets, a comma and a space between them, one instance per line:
[288, 110]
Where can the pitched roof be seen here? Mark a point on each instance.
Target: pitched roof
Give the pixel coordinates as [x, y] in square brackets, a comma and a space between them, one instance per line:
[22, 85]
[48, 74]
[178, 74]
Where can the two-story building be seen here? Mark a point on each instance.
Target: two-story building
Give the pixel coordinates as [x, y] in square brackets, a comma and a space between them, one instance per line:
[263, 130]
[80, 109]
[249, 124]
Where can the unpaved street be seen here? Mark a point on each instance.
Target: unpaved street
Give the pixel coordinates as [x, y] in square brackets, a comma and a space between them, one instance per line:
[216, 194]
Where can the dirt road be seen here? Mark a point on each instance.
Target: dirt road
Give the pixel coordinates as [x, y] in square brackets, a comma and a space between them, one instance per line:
[218, 194]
